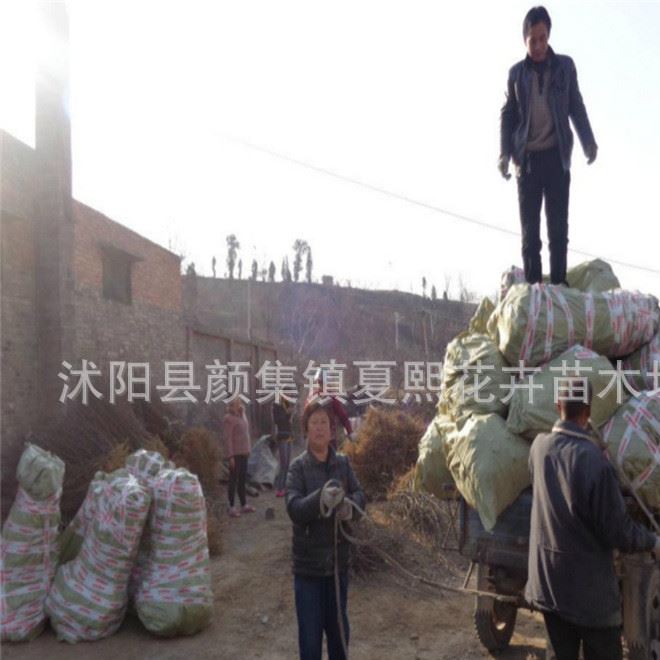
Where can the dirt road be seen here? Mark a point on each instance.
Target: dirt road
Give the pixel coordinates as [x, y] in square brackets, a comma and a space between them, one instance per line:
[255, 616]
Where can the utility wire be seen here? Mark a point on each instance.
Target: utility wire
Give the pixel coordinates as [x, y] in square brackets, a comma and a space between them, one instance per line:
[415, 202]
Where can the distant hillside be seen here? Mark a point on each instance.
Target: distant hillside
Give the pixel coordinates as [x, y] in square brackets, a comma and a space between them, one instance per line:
[317, 321]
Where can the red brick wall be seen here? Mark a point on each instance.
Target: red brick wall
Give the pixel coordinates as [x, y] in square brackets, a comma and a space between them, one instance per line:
[156, 279]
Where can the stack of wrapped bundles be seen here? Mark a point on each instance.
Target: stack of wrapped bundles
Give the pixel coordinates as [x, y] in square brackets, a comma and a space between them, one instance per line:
[29, 545]
[174, 595]
[499, 386]
[88, 598]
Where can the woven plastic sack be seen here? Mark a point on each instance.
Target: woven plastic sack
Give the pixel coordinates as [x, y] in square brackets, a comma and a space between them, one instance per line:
[489, 465]
[174, 596]
[595, 275]
[464, 390]
[646, 361]
[431, 472]
[538, 416]
[632, 438]
[28, 557]
[479, 321]
[71, 539]
[88, 598]
[145, 466]
[536, 323]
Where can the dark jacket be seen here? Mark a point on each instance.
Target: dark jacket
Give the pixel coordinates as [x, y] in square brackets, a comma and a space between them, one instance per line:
[313, 536]
[564, 100]
[282, 418]
[578, 518]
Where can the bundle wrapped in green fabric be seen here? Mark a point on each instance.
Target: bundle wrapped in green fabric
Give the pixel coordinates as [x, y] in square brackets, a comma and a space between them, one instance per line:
[174, 596]
[632, 438]
[595, 275]
[431, 472]
[28, 548]
[646, 361]
[479, 321]
[88, 598]
[528, 418]
[489, 465]
[71, 539]
[145, 466]
[464, 390]
[536, 323]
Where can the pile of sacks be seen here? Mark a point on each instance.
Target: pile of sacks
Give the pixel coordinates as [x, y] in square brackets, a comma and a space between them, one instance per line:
[138, 540]
[500, 379]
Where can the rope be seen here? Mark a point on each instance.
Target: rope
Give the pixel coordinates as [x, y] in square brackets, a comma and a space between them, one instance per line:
[338, 527]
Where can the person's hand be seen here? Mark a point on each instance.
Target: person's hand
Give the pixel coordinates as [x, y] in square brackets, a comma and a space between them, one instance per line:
[332, 496]
[503, 167]
[592, 152]
[344, 511]
[232, 463]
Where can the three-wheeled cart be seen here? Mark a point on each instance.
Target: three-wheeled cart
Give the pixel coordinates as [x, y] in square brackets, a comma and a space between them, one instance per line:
[500, 558]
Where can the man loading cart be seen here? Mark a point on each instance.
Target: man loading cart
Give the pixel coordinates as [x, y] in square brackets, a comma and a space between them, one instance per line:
[578, 518]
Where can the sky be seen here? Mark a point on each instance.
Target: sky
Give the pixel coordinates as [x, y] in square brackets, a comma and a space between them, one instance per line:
[351, 125]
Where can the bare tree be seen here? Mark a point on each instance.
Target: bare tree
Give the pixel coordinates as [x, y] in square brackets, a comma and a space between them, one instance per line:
[434, 293]
[309, 264]
[213, 266]
[271, 272]
[299, 248]
[424, 287]
[445, 293]
[240, 268]
[464, 294]
[232, 247]
[255, 270]
[286, 271]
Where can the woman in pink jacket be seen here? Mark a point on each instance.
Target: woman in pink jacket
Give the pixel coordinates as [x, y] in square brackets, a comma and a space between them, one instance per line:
[236, 435]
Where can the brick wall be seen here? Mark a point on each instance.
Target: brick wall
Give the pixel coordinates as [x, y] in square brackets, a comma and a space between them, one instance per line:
[18, 341]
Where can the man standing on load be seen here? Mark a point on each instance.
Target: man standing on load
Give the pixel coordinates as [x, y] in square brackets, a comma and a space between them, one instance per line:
[542, 93]
[578, 518]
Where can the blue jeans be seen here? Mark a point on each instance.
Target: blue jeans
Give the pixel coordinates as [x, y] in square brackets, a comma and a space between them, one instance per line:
[316, 607]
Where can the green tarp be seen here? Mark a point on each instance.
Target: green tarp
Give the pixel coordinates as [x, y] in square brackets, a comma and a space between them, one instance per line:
[646, 361]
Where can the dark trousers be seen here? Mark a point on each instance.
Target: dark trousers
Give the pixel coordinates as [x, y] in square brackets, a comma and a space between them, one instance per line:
[284, 452]
[597, 643]
[237, 479]
[542, 177]
[316, 607]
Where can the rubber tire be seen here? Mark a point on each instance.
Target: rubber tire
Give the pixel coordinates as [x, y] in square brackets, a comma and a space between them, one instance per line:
[494, 622]
[639, 650]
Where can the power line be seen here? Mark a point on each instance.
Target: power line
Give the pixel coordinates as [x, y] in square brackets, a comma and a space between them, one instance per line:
[415, 202]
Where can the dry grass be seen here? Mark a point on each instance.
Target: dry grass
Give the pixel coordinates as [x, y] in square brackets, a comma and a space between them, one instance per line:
[386, 449]
[200, 453]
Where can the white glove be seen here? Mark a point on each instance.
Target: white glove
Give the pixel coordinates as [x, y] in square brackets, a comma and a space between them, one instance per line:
[332, 496]
[344, 511]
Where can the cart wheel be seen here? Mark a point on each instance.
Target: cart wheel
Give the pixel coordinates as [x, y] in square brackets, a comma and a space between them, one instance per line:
[493, 619]
[649, 649]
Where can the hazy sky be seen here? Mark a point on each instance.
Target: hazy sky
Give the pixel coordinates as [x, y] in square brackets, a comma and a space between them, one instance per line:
[402, 96]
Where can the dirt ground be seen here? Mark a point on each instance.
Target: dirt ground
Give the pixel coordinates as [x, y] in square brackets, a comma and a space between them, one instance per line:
[255, 616]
